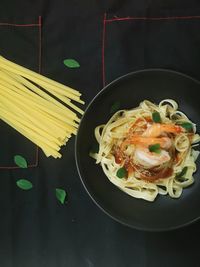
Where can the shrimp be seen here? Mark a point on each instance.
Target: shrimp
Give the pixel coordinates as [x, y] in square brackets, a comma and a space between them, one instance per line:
[148, 159]
[165, 142]
[154, 134]
[157, 129]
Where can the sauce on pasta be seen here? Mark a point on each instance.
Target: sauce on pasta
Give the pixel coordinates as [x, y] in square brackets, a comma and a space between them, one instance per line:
[148, 150]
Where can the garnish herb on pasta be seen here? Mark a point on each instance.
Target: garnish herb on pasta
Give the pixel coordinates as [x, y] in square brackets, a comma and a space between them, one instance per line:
[149, 150]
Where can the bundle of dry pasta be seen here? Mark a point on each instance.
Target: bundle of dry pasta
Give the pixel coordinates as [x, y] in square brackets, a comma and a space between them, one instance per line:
[34, 105]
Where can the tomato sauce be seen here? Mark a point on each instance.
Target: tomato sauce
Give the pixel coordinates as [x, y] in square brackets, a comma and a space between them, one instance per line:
[118, 154]
[148, 119]
[120, 157]
[129, 166]
[147, 175]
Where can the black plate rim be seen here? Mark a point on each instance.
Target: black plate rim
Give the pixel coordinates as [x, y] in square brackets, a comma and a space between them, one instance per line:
[147, 229]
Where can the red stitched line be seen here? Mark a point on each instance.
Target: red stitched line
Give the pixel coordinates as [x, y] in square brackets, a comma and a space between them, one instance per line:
[36, 159]
[29, 166]
[153, 18]
[40, 42]
[133, 18]
[11, 168]
[19, 25]
[39, 64]
[39, 68]
[103, 49]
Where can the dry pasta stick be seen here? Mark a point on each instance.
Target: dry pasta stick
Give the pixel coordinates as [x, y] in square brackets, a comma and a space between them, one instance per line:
[39, 76]
[13, 88]
[50, 111]
[47, 150]
[29, 102]
[11, 118]
[62, 98]
[61, 92]
[58, 124]
[45, 95]
[36, 123]
[34, 77]
[51, 127]
[20, 87]
[68, 102]
[37, 90]
[57, 131]
[41, 135]
[70, 121]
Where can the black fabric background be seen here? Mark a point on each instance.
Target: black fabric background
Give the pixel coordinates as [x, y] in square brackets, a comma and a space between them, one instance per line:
[137, 44]
[35, 230]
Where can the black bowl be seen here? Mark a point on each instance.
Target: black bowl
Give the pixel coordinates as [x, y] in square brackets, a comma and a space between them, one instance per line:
[155, 85]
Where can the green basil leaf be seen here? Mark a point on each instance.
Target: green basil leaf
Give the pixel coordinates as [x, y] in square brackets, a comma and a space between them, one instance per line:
[24, 184]
[71, 63]
[155, 148]
[20, 161]
[156, 117]
[61, 195]
[121, 173]
[187, 126]
[115, 107]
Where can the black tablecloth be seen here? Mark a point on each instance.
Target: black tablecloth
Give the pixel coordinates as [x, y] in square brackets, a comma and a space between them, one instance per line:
[108, 40]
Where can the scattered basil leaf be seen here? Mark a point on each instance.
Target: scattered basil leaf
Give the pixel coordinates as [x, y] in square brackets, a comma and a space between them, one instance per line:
[24, 184]
[155, 148]
[115, 107]
[71, 63]
[95, 148]
[121, 173]
[20, 161]
[156, 117]
[187, 126]
[61, 195]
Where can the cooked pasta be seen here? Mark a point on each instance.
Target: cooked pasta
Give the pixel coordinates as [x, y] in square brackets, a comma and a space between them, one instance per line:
[29, 102]
[149, 150]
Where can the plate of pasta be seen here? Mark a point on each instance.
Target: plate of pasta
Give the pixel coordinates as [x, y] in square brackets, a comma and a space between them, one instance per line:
[137, 150]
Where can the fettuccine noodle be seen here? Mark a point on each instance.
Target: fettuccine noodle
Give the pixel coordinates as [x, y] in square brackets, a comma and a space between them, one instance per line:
[149, 150]
[38, 107]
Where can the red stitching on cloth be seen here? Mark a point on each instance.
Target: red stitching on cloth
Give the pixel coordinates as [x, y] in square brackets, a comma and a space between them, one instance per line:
[103, 48]
[39, 25]
[20, 25]
[133, 18]
[153, 18]
[40, 42]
